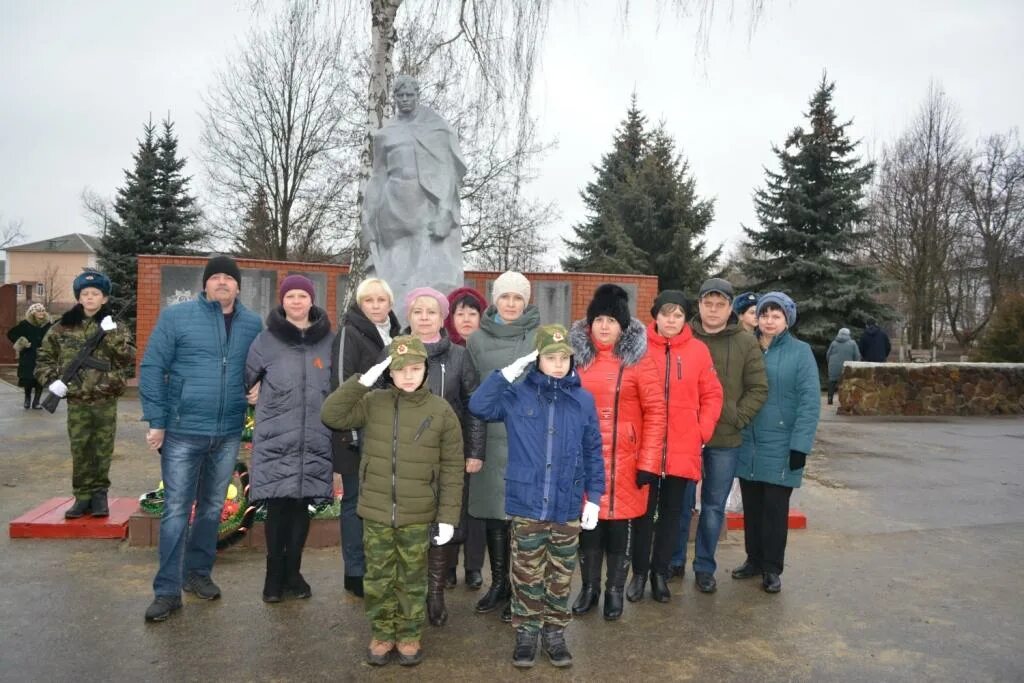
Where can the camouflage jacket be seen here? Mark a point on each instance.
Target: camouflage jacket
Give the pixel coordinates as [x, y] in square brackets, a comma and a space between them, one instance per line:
[62, 343]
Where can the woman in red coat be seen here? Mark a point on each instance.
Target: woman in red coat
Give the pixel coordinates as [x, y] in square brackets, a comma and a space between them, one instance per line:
[610, 358]
[687, 379]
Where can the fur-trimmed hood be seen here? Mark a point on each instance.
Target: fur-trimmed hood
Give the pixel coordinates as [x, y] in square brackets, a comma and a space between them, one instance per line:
[76, 316]
[631, 347]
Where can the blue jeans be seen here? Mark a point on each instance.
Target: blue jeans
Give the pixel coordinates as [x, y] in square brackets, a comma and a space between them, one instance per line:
[689, 502]
[195, 469]
[351, 527]
[719, 471]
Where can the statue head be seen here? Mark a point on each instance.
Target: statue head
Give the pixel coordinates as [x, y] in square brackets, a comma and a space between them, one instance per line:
[406, 91]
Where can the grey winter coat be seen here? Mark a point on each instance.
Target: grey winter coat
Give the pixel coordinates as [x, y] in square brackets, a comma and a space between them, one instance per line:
[492, 347]
[291, 446]
[842, 349]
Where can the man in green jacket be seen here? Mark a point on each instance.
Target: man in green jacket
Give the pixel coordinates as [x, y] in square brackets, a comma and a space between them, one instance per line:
[740, 367]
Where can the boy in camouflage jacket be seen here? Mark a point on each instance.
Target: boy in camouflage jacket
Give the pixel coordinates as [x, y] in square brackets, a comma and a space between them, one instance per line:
[92, 393]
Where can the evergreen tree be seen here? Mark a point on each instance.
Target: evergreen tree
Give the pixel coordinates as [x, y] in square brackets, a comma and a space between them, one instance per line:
[645, 216]
[810, 212]
[155, 215]
[258, 230]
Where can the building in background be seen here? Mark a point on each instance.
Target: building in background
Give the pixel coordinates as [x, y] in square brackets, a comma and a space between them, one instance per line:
[43, 271]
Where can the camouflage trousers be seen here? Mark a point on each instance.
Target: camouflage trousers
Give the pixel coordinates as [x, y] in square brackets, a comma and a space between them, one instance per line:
[395, 583]
[543, 560]
[91, 431]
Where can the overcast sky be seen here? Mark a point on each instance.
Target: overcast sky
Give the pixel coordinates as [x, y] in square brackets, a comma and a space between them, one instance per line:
[78, 80]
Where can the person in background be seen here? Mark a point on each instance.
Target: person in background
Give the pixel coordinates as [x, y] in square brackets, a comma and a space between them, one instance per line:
[611, 348]
[465, 308]
[777, 441]
[740, 368]
[842, 349]
[745, 308]
[874, 343]
[365, 331]
[192, 387]
[26, 337]
[507, 331]
[92, 394]
[410, 478]
[289, 364]
[694, 399]
[452, 376]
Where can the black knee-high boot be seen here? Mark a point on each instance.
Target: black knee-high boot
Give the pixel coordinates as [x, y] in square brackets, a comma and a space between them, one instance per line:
[618, 567]
[298, 530]
[437, 565]
[498, 550]
[28, 397]
[35, 397]
[590, 572]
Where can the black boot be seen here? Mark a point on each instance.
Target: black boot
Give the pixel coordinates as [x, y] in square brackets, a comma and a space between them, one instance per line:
[474, 579]
[451, 558]
[552, 638]
[437, 568]
[35, 399]
[618, 565]
[659, 587]
[273, 582]
[28, 397]
[525, 653]
[297, 530]
[500, 590]
[354, 585]
[590, 572]
[99, 504]
[81, 507]
[637, 586]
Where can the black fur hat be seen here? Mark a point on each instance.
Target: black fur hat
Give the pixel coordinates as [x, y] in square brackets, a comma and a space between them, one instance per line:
[610, 300]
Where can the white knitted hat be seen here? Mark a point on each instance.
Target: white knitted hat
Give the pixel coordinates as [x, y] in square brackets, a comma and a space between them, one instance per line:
[511, 282]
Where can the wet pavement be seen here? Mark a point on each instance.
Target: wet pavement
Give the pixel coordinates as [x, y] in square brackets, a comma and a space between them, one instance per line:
[911, 569]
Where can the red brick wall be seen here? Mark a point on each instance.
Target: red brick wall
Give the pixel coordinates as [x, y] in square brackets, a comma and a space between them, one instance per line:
[583, 286]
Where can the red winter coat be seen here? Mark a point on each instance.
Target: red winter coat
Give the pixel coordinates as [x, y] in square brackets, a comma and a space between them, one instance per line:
[687, 379]
[630, 412]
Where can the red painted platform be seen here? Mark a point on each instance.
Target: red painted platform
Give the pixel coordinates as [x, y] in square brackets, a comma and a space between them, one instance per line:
[47, 521]
[797, 520]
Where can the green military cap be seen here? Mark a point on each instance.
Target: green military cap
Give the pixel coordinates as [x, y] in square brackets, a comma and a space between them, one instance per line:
[552, 339]
[406, 350]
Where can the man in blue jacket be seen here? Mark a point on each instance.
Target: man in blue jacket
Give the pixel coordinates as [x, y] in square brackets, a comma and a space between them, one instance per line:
[193, 396]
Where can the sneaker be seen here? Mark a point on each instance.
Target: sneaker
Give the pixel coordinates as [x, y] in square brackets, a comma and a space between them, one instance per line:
[525, 653]
[408, 656]
[705, 582]
[553, 639]
[379, 652]
[162, 606]
[201, 587]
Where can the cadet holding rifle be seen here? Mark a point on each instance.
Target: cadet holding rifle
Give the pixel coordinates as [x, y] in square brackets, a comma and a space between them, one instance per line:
[85, 358]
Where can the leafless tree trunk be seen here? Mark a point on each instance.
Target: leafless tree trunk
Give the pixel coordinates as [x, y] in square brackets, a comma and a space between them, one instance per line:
[11, 233]
[917, 212]
[96, 209]
[274, 124]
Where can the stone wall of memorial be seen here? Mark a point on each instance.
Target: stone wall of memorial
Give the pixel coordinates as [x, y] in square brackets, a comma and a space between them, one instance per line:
[932, 389]
[167, 280]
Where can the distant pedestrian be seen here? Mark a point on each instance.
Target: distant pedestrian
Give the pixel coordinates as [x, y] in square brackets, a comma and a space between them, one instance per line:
[93, 392]
[874, 343]
[745, 308]
[289, 364]
[555, 468]
[842, 349]
[192, 387]
[26, 337]
[776, 443]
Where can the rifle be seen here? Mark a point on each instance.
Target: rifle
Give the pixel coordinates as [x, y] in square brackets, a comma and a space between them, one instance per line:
[83, 359]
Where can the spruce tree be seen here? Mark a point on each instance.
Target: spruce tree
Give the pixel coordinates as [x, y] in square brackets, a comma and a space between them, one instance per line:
[811, 214]
[645, 215]
[155, 215]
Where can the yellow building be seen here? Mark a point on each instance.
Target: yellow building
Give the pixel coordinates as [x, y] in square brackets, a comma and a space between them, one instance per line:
[43, 271]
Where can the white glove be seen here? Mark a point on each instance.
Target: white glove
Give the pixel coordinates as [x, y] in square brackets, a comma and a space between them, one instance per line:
[444, 533]
[58, 388]
[371, 376]
[108, 324]
[513, 370]
[588, 520]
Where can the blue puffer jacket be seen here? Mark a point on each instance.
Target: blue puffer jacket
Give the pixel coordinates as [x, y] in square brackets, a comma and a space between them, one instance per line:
[788, 419]
[554, 443]
[192, 378]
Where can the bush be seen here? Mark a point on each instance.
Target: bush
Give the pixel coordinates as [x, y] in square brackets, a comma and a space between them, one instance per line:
[1004, 340]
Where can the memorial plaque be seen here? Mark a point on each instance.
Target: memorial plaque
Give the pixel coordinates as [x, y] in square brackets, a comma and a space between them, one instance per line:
[259, 290]
[554, 301]
[180, 283]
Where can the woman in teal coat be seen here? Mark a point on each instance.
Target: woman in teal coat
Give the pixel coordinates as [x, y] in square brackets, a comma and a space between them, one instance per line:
[776, 443]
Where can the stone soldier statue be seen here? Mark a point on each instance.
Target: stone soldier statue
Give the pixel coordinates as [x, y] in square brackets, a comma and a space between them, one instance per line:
[411, 220]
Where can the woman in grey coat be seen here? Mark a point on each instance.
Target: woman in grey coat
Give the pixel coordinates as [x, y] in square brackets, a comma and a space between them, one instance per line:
[842, 349]
[508, 330]
[290, 362]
